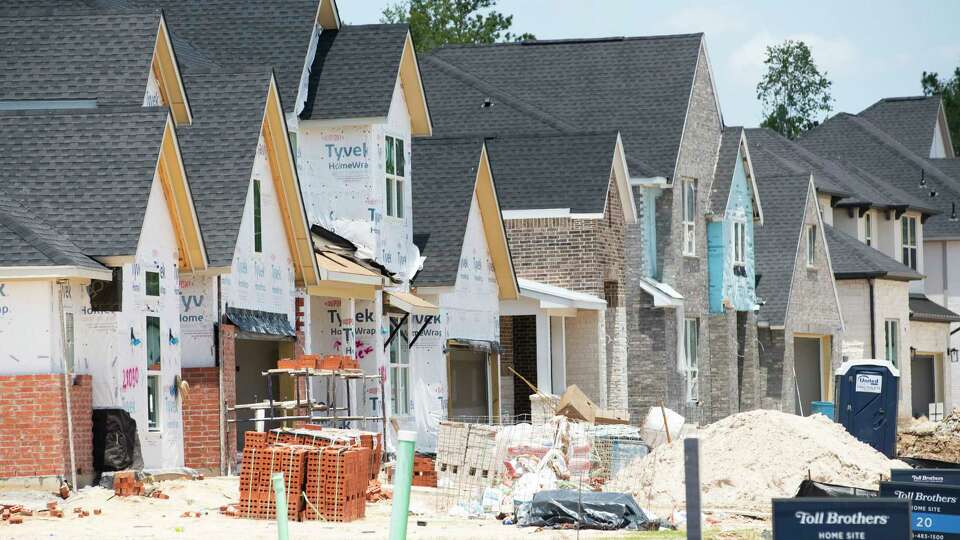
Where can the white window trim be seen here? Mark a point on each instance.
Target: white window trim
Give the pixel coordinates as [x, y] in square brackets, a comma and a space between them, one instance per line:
[868, 229]
[395, 181]
[914, 247]
[396, 345]
[893, 336]
[739, 243]
[152, 373]
[689, 222]
[810, 246]
[691, 364]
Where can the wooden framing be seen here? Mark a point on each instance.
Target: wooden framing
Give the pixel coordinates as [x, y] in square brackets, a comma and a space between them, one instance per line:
[494, 230]
[176, 192]
[165, 70]
[420, 123]
[273, 129]
[327, 16]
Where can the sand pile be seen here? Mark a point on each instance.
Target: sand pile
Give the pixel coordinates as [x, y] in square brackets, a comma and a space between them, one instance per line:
[751, 457]
[924, 439]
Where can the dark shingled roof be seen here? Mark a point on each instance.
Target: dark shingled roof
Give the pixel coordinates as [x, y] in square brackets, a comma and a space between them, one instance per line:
[446, 173]
[29, 241]
[726, 165]
[102, 56]
[638, 86]
[852, 259]
[784, 201]
[219, 150]
[856, 142]
[925, 310]
[86, 173]
[536, 172]
[355, 71]
[910, 120]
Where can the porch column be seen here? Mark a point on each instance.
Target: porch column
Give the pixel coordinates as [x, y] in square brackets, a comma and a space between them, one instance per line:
[558, 353]
[544, 367]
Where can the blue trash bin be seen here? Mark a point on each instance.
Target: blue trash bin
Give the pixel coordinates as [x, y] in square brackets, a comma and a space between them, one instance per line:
[823, 407]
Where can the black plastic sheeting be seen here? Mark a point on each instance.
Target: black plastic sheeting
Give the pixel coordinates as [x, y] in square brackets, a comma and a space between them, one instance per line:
[809, 488]
[116, 446]
[918, 463]
[591, 510]
[260, 322]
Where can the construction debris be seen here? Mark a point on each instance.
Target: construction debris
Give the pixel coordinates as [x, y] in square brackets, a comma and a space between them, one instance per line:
[924, 439]
[749, 458]
[126, 483]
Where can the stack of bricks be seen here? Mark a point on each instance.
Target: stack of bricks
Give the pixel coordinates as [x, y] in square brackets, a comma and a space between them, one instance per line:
[337, 480]
[424, 474]
[125, 483]
[257, 497]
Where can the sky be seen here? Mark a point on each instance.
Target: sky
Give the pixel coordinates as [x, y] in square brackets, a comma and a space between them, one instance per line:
[869, 50]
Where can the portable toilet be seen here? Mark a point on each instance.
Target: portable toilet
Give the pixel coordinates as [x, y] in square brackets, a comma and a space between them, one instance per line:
[867, 402]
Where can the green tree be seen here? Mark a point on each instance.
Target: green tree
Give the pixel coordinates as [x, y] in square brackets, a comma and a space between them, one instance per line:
[437, 22]
[949, 92]
[793, 92]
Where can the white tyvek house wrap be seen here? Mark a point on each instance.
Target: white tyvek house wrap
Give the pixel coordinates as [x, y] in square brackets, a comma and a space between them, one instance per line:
[152, 98]
[117, 360]
[342, 175]
[471, 310]
[198, 313]
[28, 316]
[261, 281]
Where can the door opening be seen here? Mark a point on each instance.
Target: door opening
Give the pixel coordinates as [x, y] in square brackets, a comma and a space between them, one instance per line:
[469, 376]
[806, 359]
[923, 383]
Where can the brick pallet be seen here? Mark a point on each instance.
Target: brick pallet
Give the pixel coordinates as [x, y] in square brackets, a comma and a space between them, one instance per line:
[257, 499]
[424, 473]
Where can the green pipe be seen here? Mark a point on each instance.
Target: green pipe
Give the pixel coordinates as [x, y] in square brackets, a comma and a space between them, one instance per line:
[402, 478]
[283, 533]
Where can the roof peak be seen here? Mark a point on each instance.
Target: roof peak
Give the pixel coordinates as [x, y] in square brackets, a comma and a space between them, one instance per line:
[568, 41]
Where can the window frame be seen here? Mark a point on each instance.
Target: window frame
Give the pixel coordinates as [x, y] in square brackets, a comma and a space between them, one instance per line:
[147, 283]
[395, 148]
[891, 341]
[868, 229]
[909, 251]
[257, 216]
[691, 360]
[811, 246]
[398, 362]
[739, 243]
[689, 216]
[153, 370]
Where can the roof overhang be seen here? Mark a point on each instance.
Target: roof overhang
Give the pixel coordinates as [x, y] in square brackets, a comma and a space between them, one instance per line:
[167, 72]
[54, 272]
[328, 16]
[663, 295]
[621, 176]
[179, 199]
[296, 227]
[494, 230]
[420, 123]
[751, 177]
[553, 298]
[409, 303]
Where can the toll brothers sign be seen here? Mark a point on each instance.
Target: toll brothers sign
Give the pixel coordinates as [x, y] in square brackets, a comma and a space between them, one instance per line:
[936, 508]
[840, 519]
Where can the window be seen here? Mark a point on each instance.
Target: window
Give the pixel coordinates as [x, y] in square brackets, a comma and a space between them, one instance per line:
[908, 237]
[153, 373]
[153, 283]
[689, 216]
[867, 229]
[691, 341]
[257, 219]
[739, 243]
[399, 370]
[396, 169]
[892, 340]
[811, 245]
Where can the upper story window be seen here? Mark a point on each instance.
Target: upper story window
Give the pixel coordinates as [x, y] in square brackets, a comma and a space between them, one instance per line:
[257, 219]
[811, 241]
[153, 283]
[691, 365]
[395, 175]
[739, 243]
[689, 216]
[868, 229]
[908, 236]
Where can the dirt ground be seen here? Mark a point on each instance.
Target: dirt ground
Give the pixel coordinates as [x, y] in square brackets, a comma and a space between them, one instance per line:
[146, 518]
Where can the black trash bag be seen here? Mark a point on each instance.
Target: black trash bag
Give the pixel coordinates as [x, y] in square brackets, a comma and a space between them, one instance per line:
[116, 446]
[809, 488]
[592, 510]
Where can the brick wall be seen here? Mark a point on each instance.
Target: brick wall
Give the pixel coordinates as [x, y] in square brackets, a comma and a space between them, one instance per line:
[228, 363]
[506, 360]
[201, 418]
[33, 429]
[586, 355]
[524, 360]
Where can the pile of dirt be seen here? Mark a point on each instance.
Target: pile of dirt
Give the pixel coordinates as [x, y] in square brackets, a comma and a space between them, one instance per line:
[749, 458]
[924, 439]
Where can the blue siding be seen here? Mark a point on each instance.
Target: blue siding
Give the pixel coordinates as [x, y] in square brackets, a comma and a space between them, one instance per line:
[715, 264]
[739, 290]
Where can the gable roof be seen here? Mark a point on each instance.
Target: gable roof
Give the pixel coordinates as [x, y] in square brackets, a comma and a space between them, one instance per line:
[355, 71]
[33, 247]
[639, 86]
[911, 120]
[85, 172]
[540, 172]
[922, 309]
[733, 145]
[777, 240]
[852, 259]
[857, 142]
[97, 55]
[449, 173]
